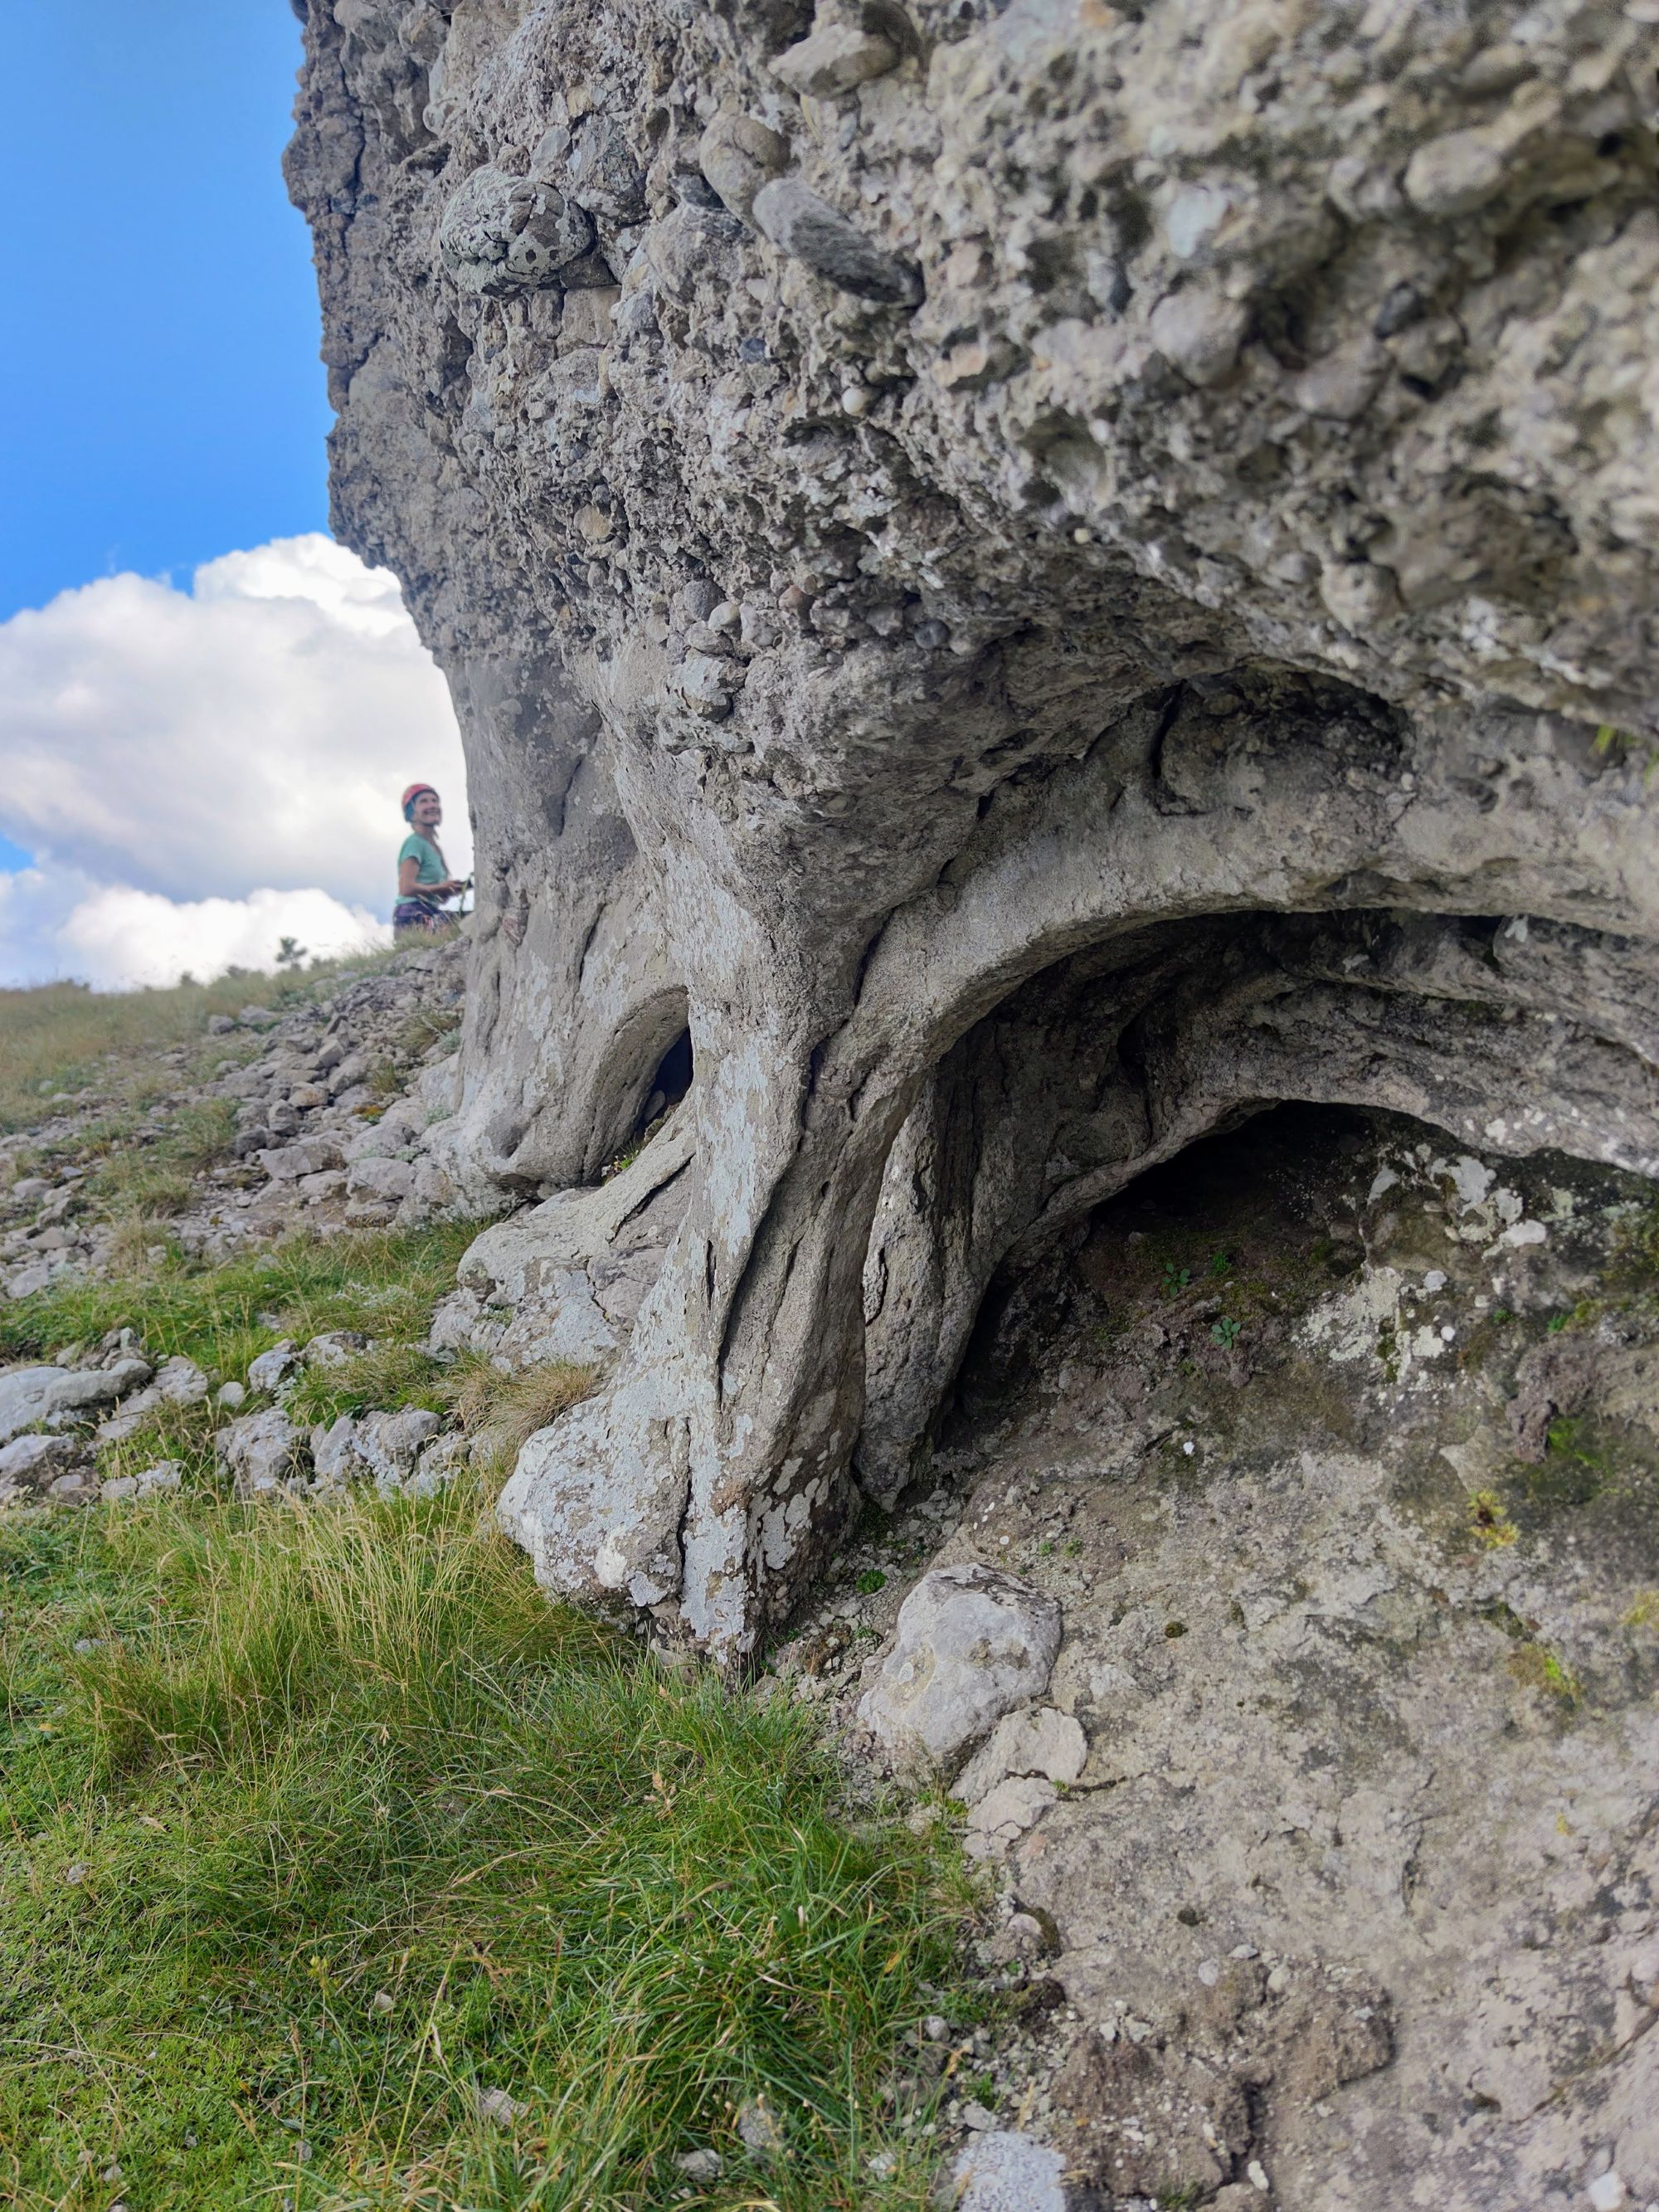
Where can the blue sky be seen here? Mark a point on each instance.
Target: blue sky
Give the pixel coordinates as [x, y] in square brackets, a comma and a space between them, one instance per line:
[206, 709]
[160, 386]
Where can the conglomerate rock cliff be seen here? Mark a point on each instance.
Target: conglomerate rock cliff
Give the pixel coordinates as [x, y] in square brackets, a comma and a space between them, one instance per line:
[1039, 577]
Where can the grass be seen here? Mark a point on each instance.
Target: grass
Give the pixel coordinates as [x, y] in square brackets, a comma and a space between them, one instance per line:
[507, 1408]
[61, 1037]
[384, 1284]
[340, 1825]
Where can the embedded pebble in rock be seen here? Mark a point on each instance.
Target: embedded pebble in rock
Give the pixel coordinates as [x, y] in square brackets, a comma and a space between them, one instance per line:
[805, 227]
[1002, 2171]
[972, 1644]
[837, 57]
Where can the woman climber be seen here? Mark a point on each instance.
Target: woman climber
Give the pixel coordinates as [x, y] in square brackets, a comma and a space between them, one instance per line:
[423, 878]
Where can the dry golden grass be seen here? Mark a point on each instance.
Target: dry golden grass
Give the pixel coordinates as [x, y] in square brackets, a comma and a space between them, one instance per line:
[508, 1409]
[64, 1037]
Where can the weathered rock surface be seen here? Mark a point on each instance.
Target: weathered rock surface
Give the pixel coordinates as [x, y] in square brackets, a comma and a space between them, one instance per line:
[1037, 577]
[1364, 1836]
[973, 1645]
[1005, 2173]
[261, 1452]
[33, 1395]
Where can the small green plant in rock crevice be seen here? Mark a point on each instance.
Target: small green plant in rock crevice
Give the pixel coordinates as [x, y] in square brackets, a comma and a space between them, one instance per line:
[1489, 1524]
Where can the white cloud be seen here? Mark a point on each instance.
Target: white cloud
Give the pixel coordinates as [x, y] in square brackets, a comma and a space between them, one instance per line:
[57, 921]
[200, 773]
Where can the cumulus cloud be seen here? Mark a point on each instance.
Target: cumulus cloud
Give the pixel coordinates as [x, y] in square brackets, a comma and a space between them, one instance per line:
[199, 774]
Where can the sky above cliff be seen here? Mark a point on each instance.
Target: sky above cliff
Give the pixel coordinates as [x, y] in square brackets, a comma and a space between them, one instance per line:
[206, 710]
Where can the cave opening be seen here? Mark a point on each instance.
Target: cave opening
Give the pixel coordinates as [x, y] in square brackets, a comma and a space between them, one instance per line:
[649, 1074]
[1284, 1275]
[670, 1082]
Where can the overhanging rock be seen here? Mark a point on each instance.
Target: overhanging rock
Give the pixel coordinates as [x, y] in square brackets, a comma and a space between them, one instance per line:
[1183, 639]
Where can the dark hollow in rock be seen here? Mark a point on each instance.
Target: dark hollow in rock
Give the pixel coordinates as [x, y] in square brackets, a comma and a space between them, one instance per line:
[1200, 658]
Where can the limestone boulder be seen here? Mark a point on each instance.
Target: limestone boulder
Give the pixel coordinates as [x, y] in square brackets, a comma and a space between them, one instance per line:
[1019, 584]
[972, 1645]
[261, 1452]
[30, 1395]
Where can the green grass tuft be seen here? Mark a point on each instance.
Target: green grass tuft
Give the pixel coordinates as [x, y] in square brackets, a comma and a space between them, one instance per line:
[384, 1284]
[340, 1824]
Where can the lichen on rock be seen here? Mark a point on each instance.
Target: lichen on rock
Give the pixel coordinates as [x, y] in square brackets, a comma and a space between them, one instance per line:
[1035, 578]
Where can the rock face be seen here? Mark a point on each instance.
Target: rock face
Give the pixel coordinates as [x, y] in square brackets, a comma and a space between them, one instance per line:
[1040, 578]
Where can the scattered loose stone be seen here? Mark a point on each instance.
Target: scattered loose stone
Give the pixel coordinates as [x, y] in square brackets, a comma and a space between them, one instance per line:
[334, 1347]
[1003, 2172]
[166, 1474]
[759, 2130]
[497, 2106]
[973, 1643]
[272, 1368]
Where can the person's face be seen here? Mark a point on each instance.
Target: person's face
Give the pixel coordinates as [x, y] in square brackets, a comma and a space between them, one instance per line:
[429, 811]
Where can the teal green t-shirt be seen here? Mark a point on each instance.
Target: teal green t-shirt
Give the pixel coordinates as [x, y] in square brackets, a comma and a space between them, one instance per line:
[432, 868]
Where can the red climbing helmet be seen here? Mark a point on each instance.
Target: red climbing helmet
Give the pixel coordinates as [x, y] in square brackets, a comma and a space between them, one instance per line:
[413, 793]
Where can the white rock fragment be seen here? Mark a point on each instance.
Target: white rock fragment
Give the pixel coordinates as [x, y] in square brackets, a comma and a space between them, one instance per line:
[1001, 1818]
[759, 2130]
[272, 1368]
[1040, 1742]
[1003, 2172]
[973, 1643]
[261, 1452]
[32, 1395]
[501, 2108]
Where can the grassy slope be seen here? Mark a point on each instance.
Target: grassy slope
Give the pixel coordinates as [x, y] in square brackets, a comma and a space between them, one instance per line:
[322, 1753]
[339, 1823]
[61, 1037]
